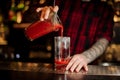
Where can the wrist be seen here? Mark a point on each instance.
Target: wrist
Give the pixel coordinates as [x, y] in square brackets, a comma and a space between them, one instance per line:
[86, 55]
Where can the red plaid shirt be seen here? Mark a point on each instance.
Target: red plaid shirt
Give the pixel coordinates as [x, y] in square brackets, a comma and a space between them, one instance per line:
[85, 22]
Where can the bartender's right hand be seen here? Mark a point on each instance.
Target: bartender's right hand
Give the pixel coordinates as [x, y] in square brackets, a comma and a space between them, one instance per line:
[45, 11]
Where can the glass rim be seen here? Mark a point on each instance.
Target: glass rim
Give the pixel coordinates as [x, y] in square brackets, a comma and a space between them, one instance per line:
[62, 37]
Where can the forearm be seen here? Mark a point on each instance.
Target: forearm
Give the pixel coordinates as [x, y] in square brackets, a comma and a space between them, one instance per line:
[96, 50]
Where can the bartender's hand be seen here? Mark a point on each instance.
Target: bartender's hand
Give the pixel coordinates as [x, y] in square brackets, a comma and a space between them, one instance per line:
[77, 63]
[45, 11]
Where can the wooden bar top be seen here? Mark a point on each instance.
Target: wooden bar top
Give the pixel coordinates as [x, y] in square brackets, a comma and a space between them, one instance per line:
[45, 71]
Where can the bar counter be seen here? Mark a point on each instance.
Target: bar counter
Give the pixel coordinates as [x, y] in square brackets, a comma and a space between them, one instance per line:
[44, 71]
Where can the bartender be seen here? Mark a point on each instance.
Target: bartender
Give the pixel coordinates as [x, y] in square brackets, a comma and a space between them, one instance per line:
[88, 23]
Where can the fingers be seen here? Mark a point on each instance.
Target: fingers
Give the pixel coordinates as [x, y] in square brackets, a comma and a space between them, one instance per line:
[42, 16]
[76, 64]
[79, 67]
[85, 68]
[45, 11]
[38, 9]
[72, 65]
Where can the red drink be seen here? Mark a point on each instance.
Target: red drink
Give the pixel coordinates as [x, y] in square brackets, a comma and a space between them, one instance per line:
[41, 28]
[60, 64]
[61, 61]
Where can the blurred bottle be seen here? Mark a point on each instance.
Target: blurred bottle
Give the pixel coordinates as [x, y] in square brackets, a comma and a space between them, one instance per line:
[2, 31]
[20, 8]
[12, 11]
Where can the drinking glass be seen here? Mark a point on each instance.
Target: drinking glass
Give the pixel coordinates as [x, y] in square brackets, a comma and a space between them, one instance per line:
[62, 52]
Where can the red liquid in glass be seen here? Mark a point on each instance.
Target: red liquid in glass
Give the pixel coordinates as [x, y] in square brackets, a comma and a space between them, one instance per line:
[61, 64]
[41, 28]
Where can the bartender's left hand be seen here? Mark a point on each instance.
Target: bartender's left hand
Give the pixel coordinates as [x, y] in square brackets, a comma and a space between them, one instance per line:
[77, 63]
